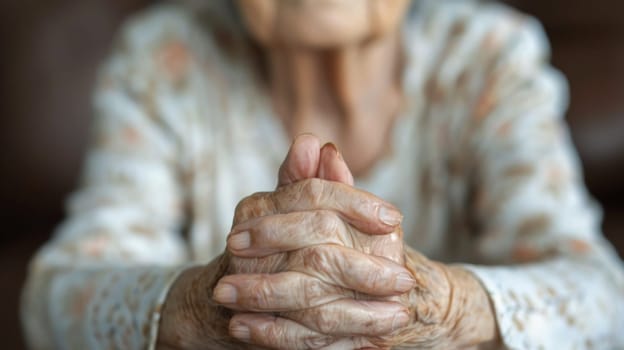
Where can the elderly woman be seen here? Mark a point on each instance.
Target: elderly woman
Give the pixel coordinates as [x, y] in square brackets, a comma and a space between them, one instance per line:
[446, 109]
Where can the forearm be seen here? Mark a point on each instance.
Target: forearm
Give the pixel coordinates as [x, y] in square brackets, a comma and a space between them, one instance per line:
[95, 307]
[565, 302]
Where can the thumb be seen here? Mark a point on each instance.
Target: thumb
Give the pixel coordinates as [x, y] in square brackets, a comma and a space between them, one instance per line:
[302, 160]
[332, 167]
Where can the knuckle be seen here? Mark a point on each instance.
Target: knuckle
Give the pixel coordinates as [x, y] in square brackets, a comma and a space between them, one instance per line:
[252, 206]
[288, 336]
[326, 223]
[260, 295]
[317, 258]
[242, 208]
[271, 231]
[276, 333]
[313, 189]
[375, 279]
[327, 322]
[263, 228]
[315, 293]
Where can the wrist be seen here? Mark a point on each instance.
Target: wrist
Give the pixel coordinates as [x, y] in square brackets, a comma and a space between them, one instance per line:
[471, 310]
[449, 306]
[190, 318]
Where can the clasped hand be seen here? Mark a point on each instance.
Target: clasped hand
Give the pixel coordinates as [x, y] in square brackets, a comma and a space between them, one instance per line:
[321, 255]
[319, 264]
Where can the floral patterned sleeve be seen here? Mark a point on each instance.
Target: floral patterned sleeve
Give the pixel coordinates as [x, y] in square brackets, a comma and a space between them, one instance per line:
[561, 285]
[100, 282]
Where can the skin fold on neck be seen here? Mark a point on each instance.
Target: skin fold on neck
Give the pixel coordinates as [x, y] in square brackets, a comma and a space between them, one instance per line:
[349, 95]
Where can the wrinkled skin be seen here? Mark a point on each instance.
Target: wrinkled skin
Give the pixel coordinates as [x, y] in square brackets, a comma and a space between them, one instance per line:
[314, 242]
[325, 267]
[314, 279]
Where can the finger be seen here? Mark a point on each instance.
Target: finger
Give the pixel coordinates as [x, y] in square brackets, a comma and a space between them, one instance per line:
[276, 332]
[332, 166]
[366, 212]
[353, 270]
[301, 161]
[294, 290]
[349, 317]
[275, 292]
[272, 234]
[335, 264]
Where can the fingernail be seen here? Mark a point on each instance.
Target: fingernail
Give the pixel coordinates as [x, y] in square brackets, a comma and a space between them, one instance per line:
[225, 293]
[241, 240]
[400, 320]
[404, 282]
[333, 147]
[389, 216]
[241, 332]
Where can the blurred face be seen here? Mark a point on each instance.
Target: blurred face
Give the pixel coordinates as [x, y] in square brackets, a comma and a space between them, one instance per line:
[320, 23]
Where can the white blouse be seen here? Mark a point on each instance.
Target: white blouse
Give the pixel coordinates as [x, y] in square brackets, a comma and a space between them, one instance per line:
[482, 167]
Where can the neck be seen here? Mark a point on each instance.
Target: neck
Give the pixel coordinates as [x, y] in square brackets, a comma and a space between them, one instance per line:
[309, 86]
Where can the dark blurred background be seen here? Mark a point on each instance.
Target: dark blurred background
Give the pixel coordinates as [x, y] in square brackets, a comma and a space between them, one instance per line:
[50, 49]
